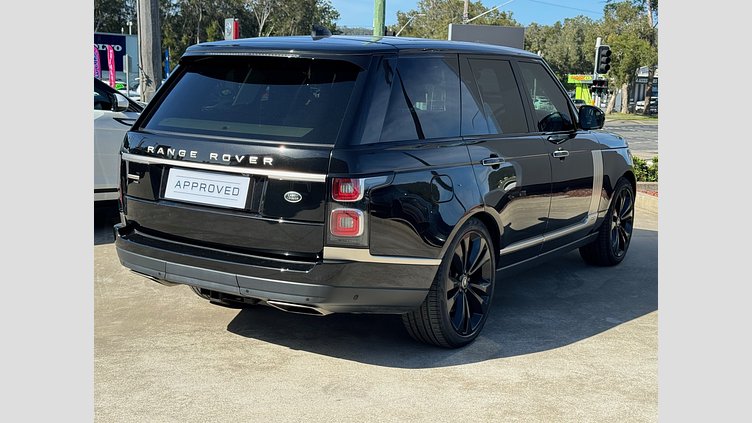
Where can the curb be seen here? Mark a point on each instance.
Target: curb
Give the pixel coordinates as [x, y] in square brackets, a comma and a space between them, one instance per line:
[646, 202]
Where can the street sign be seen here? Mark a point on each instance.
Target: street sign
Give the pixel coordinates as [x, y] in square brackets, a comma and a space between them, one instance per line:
[232, 29]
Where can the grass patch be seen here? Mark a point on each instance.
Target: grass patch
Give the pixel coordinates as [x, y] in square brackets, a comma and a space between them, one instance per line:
[628, 116]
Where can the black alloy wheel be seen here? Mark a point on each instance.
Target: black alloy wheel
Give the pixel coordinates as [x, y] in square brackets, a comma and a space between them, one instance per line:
[615, 233]
[458, 302]
[467, 294]
[622, 221]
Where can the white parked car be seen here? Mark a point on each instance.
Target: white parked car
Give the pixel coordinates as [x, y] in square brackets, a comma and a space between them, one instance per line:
[114, 114]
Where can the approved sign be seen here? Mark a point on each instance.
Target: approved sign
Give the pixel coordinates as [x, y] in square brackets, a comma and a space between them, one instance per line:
[215, 189]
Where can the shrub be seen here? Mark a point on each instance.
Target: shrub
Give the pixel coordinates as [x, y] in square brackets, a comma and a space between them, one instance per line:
[646, 171]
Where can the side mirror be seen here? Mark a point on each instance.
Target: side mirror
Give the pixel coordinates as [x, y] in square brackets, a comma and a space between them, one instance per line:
[120, 104]
[591, 117]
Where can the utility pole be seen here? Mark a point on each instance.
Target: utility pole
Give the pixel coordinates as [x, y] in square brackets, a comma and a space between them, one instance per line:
[379, 12]
[466, 12]
[149, 48]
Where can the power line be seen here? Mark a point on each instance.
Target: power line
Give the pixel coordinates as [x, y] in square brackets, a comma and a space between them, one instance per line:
[565, 7]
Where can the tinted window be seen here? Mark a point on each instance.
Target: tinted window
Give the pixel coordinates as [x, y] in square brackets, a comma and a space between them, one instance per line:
[102, 99]
[501, 101]
[549, 102]
[424, 100]
[275, 98]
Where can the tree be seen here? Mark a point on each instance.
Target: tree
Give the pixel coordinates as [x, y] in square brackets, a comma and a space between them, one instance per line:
[440, 13]
[262, 10]
[112, 15]
[630, 25]
[566, 46]
[633, 41]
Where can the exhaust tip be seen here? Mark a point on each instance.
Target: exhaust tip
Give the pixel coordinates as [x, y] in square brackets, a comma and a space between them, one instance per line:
[298, 308]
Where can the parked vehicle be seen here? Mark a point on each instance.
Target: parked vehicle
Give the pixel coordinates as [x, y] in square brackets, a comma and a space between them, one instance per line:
[640, 106]
[113, 116]
[348, 174]
[578, 102]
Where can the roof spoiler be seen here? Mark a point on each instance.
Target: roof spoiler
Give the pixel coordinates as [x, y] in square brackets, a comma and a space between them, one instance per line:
[318, 32]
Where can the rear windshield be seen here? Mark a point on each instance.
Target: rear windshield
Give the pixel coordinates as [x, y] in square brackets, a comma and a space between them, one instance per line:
[274, 98]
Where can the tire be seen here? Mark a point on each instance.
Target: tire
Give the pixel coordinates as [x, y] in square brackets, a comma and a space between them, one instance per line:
[615, 233]
[457, 304]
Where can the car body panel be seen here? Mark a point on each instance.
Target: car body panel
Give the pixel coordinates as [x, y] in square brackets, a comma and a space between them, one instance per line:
[416, 192]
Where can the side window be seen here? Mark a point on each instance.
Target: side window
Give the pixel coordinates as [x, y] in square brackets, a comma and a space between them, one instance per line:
[501, 101]
[424, 100]
[551, 110]
[102, 99]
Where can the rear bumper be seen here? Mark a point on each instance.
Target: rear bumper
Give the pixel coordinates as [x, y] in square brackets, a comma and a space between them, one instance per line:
[337, 286]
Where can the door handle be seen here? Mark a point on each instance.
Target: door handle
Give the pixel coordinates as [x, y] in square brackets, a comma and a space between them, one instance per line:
[492, 161]
[560, 154]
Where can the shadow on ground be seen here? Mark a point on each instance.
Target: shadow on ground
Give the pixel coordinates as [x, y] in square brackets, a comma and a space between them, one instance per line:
[106, 215]
[556, 304]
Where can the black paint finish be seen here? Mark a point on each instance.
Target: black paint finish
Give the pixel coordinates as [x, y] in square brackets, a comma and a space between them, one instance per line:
[511, 181]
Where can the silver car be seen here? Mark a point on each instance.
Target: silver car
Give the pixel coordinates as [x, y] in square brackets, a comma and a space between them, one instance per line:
[114, 114]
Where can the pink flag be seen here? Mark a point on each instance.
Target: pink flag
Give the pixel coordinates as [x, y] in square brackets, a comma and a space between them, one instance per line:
[111, 64]
[97, 64]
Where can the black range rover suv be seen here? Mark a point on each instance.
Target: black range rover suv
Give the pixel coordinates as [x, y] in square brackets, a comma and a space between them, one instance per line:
[367, 175]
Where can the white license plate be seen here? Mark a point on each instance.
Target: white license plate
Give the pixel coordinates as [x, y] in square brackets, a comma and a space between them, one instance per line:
[215, 189]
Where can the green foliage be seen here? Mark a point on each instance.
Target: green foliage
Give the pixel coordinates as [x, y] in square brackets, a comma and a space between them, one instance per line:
[189, 22]
[567, 47]
[113, 15]
[645, 172]
[440, 13]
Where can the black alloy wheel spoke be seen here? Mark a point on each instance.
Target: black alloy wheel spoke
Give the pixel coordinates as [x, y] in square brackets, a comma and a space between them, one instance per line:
[465, 254]
[481, 258]
[478, 300]
[452, 299]
[623, 238]
[460, 305]
[626, 207]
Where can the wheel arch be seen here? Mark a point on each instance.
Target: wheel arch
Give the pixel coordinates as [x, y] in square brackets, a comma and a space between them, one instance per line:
[484, 215]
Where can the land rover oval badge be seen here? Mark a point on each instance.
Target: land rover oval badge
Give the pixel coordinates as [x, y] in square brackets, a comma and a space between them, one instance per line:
[293, 197]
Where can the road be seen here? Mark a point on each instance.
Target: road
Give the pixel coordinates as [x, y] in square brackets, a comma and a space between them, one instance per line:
[564, 342]
[642, 136]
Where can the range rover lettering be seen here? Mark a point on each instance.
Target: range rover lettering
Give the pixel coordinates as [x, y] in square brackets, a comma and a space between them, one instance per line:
[344, 174]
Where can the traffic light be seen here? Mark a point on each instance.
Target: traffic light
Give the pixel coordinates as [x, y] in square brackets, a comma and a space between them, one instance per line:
[603, 59]
[600, 86]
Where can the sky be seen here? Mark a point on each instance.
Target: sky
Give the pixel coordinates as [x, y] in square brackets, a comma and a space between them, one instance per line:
[359, 13]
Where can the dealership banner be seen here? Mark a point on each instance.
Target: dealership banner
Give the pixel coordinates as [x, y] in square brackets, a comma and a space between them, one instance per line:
[97, 63]
[111, 64]
[118, 43]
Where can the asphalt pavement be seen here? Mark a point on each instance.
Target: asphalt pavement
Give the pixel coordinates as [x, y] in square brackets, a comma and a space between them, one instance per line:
[642, 136]
[564, 342]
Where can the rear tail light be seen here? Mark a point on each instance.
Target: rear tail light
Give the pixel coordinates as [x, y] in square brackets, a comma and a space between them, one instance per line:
[346, 223]
[348, 211]
[347, 189]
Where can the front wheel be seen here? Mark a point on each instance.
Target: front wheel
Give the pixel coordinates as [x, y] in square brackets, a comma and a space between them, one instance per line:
[615, 234]
[458, 302]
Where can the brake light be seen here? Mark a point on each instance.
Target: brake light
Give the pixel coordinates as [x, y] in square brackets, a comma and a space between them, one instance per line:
[346, 223]
[347, 189]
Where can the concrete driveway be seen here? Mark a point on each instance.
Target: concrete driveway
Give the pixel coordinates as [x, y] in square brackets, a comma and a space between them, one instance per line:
[565, 342]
